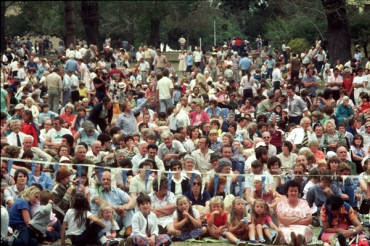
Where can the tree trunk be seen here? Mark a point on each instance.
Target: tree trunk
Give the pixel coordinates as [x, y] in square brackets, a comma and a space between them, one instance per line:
[2, 35]
[154, 32]
[70, 23]
[90, 19]
[365, 49]
[164, 47]
[338, 32]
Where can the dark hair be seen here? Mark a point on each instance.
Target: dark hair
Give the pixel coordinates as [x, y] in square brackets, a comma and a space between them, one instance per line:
[289, 145]
[358, 136]
[27, 154]
[142, 198]
[164, 183]
[81, 205]
[216, 122]
[334, 202]
[84, 174]
[260, 118]
[261, 151]
[326, 176]
[233, 124]
[61, 121]
[20, 171]
[292, 183]
[29, 114]
[114, 130]
[104, 137]
[256, 164]
[45, 197]
[144, 163]
[208, 140]
[152, 146]
[175, 163]
[128, 138]
[69, 139]
[272, 160]
[227, 146]
[125, 162]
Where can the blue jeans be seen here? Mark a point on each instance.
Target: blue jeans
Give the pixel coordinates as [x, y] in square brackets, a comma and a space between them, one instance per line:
[26, 237]
[351, 195]
[269, 73]
[124, 221]
[100, 95]
[54, 235]
[276, 85]
[66, 96]
[87, 236]
[164, 104]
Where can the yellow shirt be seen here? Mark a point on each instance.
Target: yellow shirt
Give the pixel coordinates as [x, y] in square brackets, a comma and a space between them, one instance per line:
[83, 92]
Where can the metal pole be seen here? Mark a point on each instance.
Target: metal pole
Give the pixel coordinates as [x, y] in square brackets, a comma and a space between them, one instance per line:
[200, 43]
[214, 32]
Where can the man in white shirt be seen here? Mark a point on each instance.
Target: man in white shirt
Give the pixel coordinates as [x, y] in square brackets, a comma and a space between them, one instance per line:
[301, 136]
[139, 156]
[54, 136]
[96, 155]
[16, 138]
[78, 54]
[266, 136]
[152, 151]
[135, 78]
[83, 50]
[202, 155]
[197, 57]
[139, 54]
[359, 81]
[37, 153]
[165, 91]
[277, 79]
[358, 57]
[144, 69]
[335, 83]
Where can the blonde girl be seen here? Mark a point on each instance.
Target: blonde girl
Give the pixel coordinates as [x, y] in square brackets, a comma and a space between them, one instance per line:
[19, 217]
[238, 222]
[105, 214]
[217, 219]
[261, 223]
[186, 221]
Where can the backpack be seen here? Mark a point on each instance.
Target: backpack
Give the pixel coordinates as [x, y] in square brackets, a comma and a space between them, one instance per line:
[330, 217]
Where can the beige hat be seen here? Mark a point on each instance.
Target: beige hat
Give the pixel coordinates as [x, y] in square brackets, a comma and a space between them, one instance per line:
[19, 106]
[213, 131]
[259, 144]
[225, 46]
[121, 85]
[214, 53]
[64, 159]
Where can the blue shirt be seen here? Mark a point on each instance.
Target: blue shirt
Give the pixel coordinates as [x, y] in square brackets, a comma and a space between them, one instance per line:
[71, 65]
[44, 180]
[49, 114]
[115, 197]
[189, 60]
[31, 64]
[15, 214]
[127, 122]
[209, 111]
[202, 199]
[245, 63]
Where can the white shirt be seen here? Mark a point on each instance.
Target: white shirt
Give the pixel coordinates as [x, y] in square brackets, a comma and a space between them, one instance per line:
[98, 158]
[12, 138]
[14, 66]
[56, 136]
[136, 80]
[75, 82]
[182, 40]
[296, 136]
[73, 228]
[197, 56]
[78, 55]
[139, 55]
[164, 87]
[335, 79]
[202, 162]
[276, 75]
[144, 66]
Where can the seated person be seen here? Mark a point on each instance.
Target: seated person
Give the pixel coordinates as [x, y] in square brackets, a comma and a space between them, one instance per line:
[345, 184]
[337, 216]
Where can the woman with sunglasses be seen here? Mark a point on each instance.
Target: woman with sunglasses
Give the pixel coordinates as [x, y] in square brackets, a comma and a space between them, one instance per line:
[197, 197]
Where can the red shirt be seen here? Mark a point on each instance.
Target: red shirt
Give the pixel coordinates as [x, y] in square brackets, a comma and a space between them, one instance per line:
[116, 71]
[276, 138]
[30, 129]
[238, 42]
[218, 220]
[347, 84]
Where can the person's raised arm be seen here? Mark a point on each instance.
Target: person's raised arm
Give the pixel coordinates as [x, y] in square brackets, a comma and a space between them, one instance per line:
[96, 220]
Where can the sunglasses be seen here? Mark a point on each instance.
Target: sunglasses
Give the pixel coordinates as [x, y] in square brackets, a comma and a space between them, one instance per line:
[196, 183]
[266, 137]
[298, 172]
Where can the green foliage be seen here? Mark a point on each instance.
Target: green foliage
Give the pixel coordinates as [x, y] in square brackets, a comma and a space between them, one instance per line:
[298, 45]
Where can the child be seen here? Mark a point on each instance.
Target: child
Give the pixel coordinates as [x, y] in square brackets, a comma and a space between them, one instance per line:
[83, 91]
[105, 214]
[314, 178]
[43, 218]
[76, 218]
[176, 94]
[19, 216]
[322, 165]
[238, 222]
[229, 73]
[84, 184]
[145, 226]
[261, 222]
[217, 219]
[186, 221]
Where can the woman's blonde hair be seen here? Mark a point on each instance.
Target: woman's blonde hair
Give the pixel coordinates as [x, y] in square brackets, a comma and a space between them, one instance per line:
[216, 200]
[28, 193]
[104, 207]
[233, 220]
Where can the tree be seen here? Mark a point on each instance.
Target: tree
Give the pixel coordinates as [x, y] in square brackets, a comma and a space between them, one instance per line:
[338, 33]
[70, 23]
[90, 18]
[4, 6]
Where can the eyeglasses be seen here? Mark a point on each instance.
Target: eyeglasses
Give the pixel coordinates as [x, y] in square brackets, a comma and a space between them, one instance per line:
[196, 183]
[47, 124]
[367, 126]
[266, 137]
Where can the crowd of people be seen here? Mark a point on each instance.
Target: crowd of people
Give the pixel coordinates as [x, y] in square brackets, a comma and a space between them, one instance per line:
[116, 148]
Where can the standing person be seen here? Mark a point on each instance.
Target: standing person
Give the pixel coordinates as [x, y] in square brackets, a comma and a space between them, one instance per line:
[277, 78]
[212, 65]
[295, 66]
[182, 64]
[99, 84]
[100, 112]
[160, 61]
[165, 91]
[67, 83]
[335, 83]
[259, 42]
[144, 68]
[245, 64]
[200, 82]
[55, 86]
[285, 53]
[236, 59]
[269, 64]
[197, 57]
[296, 106]
[247, 83]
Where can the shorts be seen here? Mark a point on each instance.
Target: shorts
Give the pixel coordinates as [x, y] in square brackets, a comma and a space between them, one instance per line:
[188, 68]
